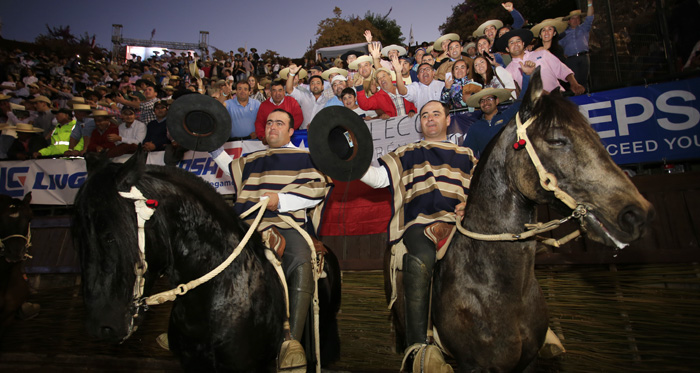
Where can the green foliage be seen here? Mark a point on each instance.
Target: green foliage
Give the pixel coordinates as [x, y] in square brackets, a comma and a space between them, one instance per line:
[390, 30]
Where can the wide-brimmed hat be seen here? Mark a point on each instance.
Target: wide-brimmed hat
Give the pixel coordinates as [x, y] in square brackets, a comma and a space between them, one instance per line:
[4, 97]
[78, 100]
[400, 49]
[199, 122]
[24, 127]
[326, 75]
[355, 64]
[33, 85]
[558, 23]
[501, 93]
[438, 43]
[40, 98]
[492, 22]
[81, 107]
[572, 14]
[340, 143]
[347, 54]
[168, 88]
[502, 42]
[101, 113]
[301, 73]
[17, 107]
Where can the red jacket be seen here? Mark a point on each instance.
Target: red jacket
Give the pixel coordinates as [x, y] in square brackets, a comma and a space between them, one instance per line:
[289, 104]
[97, 138]
[382, 101]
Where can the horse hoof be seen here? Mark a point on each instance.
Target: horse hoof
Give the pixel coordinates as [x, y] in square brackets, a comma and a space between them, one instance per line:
[292, 357]
[162, 341]
[28, 311]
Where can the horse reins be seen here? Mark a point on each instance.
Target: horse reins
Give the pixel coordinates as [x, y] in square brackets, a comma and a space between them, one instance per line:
[549, 182]
[27, 242]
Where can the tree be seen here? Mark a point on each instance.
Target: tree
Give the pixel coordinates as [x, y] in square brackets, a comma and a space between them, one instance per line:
[61, 40]
[389, 29]
[339, 31]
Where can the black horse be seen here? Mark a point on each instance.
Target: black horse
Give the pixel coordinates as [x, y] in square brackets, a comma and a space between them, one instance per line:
[15, 216]
[234, 322]
[487, 307]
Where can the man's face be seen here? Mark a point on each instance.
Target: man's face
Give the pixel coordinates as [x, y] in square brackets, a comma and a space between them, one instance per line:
[128, 117]
[471, 51]
[574, 21]
[547, 33]
[81, 115]
[434, 122]
[419, 55]
[488, 104]
[277, 93]
[62, 118]
[242, 91]
[349, 101]
[425, 74]
[393, 53]
[428, 58]
[351, 58]
[102, 123]
[338, 87]
[316, 86]
[149, 93]
[314, 72]
[454, 50]
[33, 90]
[503, 31]
[277, 130]
[490, 32]
[365, 69]
[515, 46]
[40, 106]
[161, 111]
[405, 67]
[384, 80]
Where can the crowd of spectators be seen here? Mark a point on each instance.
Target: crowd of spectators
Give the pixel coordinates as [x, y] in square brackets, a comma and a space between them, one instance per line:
[86, 104]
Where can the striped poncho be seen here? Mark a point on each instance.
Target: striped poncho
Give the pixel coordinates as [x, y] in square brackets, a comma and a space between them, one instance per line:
[279, 170]
[427, 180]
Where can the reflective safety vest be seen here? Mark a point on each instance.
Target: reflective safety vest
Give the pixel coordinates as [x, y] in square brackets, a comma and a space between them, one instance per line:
[60, 139]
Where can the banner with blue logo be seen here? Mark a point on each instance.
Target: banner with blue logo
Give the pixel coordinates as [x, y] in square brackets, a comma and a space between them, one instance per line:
[647, 123]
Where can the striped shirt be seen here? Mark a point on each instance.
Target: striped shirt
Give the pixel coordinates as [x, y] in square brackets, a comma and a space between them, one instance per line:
[279, 170]
[427, 180]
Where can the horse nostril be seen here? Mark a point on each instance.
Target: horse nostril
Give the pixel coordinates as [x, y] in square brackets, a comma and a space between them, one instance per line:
[632, 220]
[107, 332]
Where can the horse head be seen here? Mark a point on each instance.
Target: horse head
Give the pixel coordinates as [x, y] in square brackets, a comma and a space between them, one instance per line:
[15, 237]
[574, 163]
[105, 235]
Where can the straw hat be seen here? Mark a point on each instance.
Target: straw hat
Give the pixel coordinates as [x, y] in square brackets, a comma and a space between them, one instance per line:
[334, 70]
[493, 22]
[14, 106]
[4, 97]
[284, 72]
[24, 127]
[39, 98]
[400, 49]
[79, 100]
[572, 14]
[354, 65]
[501, 93]
[101, 113]
[82, 107]
[438, 43]
[558, 23]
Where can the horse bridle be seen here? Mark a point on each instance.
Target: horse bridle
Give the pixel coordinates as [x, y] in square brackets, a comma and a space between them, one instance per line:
[549, 182]
[27, 243]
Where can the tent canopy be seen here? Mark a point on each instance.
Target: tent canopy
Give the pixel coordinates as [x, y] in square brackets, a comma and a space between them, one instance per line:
[336, 51]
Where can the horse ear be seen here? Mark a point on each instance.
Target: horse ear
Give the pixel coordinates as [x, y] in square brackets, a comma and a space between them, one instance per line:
[533, 94]
[95, 161]
[27, 199]
[130, 172]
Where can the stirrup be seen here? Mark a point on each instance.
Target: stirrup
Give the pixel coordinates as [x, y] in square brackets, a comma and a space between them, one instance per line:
[162, 341]
[552, 346]
[292, 357]
[426, 358]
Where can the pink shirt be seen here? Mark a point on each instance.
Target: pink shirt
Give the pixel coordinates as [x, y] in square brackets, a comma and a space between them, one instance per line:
[552, 70]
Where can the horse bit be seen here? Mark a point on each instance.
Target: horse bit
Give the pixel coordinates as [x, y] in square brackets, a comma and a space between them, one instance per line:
[549, 182]
[27, 243]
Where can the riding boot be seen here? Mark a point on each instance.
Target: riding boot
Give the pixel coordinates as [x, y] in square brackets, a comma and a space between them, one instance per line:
[301, 288]
[416, 290]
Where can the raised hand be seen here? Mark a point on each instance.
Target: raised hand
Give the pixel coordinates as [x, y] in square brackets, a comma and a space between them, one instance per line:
[368, 36]
[508, 6]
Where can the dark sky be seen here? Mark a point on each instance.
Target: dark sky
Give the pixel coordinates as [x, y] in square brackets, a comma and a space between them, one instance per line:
[283, 26]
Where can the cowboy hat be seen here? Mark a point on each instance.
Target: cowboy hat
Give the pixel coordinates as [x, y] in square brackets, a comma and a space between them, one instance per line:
[493, 22]
[4, 97]
[340, 143]
[39, 98]
[572, 14]
[24, 127]
[501, 93]
[347, 54]
[400, 49]
[354, 65]
[199, 122]
[438, 43]
[558, 23]
[333, 70]
[81, 107]
[501, 43]
[284, 72]
[78, 100]
[101, 113]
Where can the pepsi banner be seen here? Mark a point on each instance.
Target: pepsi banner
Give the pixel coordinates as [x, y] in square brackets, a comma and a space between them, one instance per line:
[647, 123]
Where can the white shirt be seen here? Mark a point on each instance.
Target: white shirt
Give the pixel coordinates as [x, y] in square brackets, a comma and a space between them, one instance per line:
[133, 134]
[420, 94]
[310, 106]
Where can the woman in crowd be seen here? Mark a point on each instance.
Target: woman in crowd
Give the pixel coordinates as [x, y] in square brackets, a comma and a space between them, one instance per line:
[548, 36]
[493, 77]
[255, 92]
[459, 86]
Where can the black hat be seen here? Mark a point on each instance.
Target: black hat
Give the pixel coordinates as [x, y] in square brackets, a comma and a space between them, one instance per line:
[199, 122]
[340, 143]
[345, 55]
[502, 42]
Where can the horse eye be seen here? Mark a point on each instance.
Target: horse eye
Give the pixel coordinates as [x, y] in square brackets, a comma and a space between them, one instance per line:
[557, 143]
